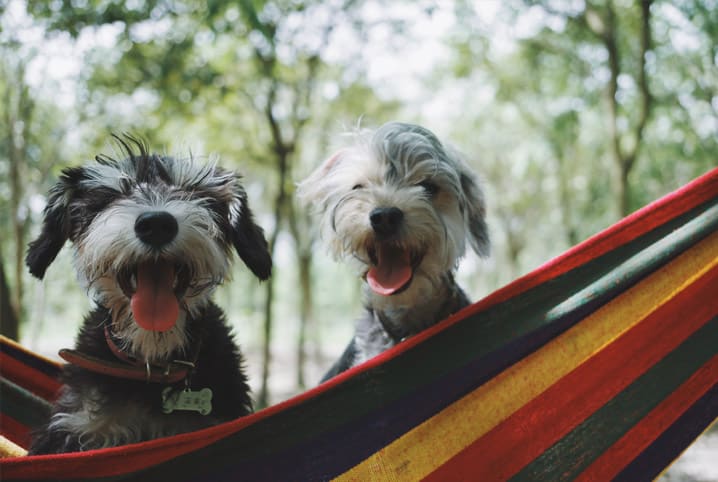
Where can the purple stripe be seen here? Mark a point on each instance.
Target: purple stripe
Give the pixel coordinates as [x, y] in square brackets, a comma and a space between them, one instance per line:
[30, 360]
[336, 452]
[674, 440]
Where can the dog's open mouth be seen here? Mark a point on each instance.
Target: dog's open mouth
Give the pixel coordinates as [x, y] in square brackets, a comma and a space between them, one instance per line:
[154, 288]
[392, 268]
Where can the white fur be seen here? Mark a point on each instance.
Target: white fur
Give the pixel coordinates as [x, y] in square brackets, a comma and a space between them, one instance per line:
[95, 428]
[385, 168]
[109, 244]
[98, 423]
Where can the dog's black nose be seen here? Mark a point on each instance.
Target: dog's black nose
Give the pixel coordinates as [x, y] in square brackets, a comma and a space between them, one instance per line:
[386, 221]
[156, 228]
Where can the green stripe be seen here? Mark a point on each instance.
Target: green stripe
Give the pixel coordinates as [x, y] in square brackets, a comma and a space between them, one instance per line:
[453, 348]
[22, 405]
[446, 352]
[662, 251]
[578, 449]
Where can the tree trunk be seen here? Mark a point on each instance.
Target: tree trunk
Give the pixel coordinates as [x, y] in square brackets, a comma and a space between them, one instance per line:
[624, 161]
[567, 203]
[263, 397]
[14, 177]
[18, 117]
[306, 305]
[283, 146]
[9, 325]
[614, 67]
[19, 233]
[300, 228]
[623, 188]
[282, 152]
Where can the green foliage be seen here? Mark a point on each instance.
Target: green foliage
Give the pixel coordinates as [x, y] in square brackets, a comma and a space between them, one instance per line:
[550, 94]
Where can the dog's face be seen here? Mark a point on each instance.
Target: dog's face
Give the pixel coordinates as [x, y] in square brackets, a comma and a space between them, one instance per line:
[152, 236]
[402, 205]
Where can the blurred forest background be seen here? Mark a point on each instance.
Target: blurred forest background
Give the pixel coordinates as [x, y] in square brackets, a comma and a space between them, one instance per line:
[574, 112]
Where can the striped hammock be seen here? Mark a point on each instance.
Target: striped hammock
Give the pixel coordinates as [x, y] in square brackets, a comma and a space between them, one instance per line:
[601, 364]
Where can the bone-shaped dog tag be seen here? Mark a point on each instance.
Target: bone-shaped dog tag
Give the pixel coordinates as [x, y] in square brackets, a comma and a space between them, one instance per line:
[198, 401]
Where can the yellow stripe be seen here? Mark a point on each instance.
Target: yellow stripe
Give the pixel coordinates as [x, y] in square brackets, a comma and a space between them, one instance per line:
[426, 447]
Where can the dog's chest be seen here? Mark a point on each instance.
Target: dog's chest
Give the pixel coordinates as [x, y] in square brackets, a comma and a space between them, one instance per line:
[97, 421]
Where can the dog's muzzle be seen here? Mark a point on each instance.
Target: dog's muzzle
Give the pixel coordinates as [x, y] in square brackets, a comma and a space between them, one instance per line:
[154, 285]
[393, 264]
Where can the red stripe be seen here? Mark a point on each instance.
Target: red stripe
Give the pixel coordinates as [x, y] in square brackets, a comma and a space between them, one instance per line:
[22, 354]
[27, 377]
[693, 194]
[628, 447]
[25, 352]
[14, 430]
[112, 461]
[130, 458]
[540, 423]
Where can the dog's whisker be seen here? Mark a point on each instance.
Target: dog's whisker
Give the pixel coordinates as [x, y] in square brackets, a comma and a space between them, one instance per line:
[360, 259]
[336, 207]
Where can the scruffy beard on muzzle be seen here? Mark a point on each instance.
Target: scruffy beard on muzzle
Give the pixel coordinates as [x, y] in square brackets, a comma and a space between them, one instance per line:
[111, 261]
[430, 243]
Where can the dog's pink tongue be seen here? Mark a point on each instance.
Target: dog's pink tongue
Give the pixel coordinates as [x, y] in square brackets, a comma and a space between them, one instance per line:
[154, 304]
[393, 270]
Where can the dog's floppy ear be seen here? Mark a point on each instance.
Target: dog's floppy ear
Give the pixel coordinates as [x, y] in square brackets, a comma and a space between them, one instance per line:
[55, 225]
[248, 238]
[313, 190]
[475, 213]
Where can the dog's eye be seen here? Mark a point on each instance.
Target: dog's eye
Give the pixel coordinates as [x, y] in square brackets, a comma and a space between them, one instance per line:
[430, 188]
[358, 186]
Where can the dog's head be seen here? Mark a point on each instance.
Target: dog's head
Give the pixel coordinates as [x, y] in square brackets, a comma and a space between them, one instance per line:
[402, 204]
[153, 236]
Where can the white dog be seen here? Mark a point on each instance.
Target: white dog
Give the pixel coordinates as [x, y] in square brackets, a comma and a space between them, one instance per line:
[402, 205]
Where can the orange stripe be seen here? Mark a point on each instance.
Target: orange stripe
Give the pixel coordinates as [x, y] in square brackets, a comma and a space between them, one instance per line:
[466, 420]
[628, 447]
[540, 423]
[26, 352]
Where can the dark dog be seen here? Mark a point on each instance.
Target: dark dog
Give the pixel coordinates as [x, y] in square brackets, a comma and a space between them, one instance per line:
[401, 206]
[153, 236]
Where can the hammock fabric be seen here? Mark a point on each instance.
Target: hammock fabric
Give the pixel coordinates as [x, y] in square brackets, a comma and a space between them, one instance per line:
[601, 364]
